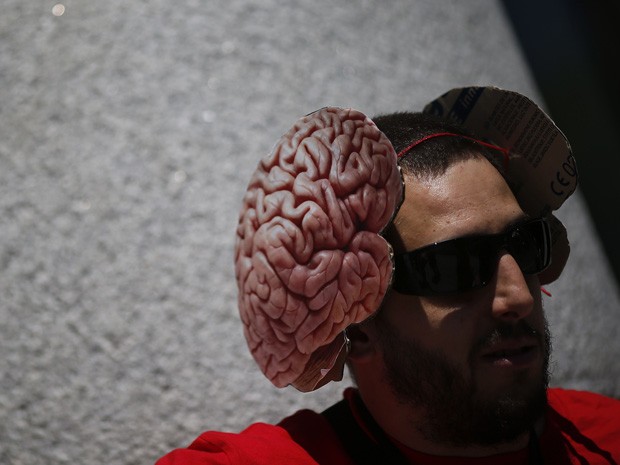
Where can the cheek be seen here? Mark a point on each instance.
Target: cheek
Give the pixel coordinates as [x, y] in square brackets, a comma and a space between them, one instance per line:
[454, 332]
[404, 313]
[434, 323]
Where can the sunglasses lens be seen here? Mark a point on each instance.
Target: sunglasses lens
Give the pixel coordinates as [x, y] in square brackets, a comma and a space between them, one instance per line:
[529, 244]
[452, 266]
[448, 268]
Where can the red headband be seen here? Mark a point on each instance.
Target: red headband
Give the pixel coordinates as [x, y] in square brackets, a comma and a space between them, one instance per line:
[504, 151]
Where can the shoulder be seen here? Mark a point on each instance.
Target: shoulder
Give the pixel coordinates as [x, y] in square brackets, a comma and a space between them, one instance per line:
[260, 443]
[304, 438]
[581, 405]
[589, 422]
[304, 423]
[313, 432]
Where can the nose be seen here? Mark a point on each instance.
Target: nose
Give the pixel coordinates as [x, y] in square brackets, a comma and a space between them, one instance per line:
[513, 299]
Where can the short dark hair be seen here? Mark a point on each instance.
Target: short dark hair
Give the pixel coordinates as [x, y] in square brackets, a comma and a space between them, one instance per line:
[433, 157]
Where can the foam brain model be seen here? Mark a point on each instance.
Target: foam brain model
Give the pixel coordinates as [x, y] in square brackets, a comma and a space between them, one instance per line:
[309, 259]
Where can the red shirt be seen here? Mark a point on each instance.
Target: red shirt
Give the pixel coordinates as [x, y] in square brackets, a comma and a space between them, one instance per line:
[580, 428]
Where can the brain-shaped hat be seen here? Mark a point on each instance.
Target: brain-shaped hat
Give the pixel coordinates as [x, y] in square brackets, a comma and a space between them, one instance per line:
[309, 260]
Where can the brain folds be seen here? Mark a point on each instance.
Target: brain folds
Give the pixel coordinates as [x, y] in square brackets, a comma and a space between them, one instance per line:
[309, 260]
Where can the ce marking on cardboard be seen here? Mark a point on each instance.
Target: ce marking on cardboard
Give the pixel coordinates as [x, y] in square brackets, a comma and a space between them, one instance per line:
[564, 178]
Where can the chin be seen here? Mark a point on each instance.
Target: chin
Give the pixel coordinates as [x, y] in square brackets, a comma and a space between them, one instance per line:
[509, 411]
[509, 416]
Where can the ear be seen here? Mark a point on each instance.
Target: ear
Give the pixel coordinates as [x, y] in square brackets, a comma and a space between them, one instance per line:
[363, 342]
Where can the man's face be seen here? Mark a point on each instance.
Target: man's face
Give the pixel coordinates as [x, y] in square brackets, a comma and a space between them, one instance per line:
[475, 363]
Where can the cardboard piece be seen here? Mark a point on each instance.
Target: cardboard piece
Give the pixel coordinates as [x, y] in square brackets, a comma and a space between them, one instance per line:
[542, 171]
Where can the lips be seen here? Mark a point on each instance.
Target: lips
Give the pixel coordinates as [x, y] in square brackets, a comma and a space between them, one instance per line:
[511, 354]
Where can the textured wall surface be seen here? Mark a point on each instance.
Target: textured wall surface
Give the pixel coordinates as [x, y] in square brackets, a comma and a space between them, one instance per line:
[128, 132]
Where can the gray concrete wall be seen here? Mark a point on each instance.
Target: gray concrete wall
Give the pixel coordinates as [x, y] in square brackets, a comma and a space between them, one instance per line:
[128, 131]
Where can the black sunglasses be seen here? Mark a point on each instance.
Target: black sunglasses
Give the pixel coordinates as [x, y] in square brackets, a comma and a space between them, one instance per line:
[467, 263]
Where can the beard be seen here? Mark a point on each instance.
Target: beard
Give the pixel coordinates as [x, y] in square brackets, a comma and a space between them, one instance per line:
[455, 411]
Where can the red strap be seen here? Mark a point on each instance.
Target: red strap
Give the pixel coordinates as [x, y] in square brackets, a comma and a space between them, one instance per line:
[504, 151]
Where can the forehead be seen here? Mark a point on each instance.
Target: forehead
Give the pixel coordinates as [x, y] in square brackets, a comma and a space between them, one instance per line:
[470, 197]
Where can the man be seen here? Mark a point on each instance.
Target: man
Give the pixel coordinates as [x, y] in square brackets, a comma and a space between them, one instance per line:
[452, 365]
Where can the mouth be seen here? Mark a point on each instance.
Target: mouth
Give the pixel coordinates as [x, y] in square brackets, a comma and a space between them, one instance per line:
[511, 356]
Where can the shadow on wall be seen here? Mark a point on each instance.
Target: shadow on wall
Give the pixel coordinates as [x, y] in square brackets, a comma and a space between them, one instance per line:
[571, 49]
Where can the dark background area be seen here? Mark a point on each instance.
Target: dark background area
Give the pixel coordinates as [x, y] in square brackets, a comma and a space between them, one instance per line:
[572, 49]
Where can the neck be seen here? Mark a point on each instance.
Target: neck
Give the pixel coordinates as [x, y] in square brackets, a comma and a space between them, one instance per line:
[403, 423]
